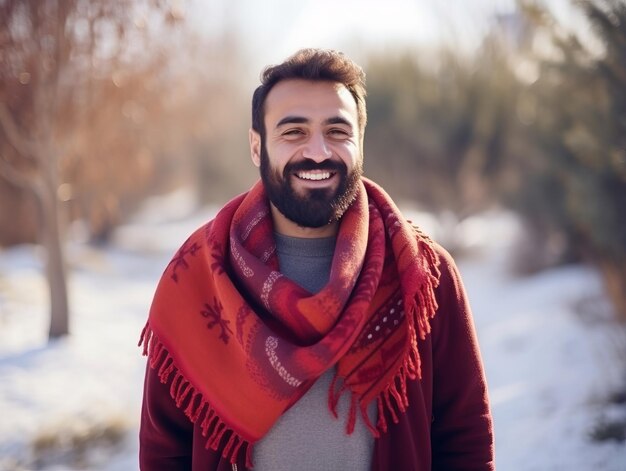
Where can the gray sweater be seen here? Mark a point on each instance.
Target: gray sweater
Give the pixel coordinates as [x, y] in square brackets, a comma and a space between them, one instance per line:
[308, 437]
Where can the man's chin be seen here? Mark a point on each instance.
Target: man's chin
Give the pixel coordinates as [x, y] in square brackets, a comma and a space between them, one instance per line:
[306, 211]
[322, 193]
[321, 196]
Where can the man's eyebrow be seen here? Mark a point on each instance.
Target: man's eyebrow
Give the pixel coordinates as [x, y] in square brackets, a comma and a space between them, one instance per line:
[303, 120]
[292, 120]
[338, 120]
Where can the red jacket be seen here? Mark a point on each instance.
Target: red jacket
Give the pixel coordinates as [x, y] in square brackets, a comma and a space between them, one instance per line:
[447, 425]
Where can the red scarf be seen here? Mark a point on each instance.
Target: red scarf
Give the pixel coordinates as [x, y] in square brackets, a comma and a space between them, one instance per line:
[244, 342]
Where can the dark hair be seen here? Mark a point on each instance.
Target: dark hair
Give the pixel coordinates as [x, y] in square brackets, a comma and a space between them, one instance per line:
[312, 64]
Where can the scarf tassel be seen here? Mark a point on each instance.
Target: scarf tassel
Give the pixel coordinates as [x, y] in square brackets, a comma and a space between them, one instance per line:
[424, 309]
[368, 422]
[354, 401]
[394, 398]
[196, 408]
[334, 395]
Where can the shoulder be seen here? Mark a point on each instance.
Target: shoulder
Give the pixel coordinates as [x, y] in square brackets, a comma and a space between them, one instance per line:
[441, 258]
[446, 263]
[443, 266]
[449, 275]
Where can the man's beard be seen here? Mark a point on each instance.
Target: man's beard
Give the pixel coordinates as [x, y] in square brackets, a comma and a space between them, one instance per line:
[317, 207]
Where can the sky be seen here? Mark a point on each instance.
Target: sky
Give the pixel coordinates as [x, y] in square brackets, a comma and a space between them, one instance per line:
[271, 30]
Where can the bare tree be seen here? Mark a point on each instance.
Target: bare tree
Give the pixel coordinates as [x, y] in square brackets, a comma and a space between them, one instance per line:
[67, 67]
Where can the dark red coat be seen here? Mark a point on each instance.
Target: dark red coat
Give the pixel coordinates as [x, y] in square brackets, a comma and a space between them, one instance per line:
[447, 426]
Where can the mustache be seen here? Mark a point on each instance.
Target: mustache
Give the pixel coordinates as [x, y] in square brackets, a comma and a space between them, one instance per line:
[309, 165]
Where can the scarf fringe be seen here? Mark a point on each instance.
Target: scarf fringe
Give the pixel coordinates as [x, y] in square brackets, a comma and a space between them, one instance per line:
[333, 397]
[424, 305]
[196, 408]
[393, 399]
[420, 309]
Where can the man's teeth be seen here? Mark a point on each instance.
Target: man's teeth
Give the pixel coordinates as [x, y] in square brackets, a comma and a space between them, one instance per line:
[314, 176]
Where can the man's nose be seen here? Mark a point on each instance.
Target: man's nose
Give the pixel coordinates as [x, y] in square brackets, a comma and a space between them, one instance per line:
[317, 148]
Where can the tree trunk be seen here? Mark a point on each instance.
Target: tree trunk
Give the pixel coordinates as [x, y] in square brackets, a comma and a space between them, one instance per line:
[614, 272]
[52, 239]
[56, 273]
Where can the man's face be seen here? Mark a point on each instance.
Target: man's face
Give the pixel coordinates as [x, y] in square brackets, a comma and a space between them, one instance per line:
[310, 157]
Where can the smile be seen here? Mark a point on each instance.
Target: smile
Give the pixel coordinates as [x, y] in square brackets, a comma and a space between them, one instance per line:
[315, 176]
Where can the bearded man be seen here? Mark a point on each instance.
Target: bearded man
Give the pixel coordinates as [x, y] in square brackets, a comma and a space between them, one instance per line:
[309, 326]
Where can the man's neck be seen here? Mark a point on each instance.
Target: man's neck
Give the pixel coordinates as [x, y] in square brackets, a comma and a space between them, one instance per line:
[285, 226]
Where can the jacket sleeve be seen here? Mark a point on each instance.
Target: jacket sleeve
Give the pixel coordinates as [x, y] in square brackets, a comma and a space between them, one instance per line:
[461, 430]
[165, 434]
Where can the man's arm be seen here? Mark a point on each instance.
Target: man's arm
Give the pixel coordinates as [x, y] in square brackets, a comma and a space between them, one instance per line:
[166, 434]
[462, 429]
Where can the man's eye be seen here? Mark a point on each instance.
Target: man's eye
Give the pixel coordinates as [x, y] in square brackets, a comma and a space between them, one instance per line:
[338, 132]
[292, 132]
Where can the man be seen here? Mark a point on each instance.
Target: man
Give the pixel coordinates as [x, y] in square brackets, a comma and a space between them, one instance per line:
[309, 326]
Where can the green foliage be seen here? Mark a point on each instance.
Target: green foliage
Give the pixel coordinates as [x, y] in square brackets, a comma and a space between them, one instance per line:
[540, 129]
[438, 132]
[579, 140]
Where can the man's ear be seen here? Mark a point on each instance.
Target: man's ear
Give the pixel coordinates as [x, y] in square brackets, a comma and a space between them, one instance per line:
[255, 146]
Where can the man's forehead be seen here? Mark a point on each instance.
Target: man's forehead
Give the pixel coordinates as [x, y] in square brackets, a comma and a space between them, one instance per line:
[299, 95]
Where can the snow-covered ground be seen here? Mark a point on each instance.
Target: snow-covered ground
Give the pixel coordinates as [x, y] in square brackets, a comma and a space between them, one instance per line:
[549, 351]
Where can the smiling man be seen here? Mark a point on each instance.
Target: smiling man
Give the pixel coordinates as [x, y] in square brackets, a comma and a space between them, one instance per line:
[309, 326]
[311, 130]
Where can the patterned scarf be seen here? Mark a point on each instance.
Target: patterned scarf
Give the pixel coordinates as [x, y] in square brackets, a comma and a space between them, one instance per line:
[241, 343]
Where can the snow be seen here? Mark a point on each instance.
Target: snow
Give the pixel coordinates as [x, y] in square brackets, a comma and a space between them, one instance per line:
[550, 351]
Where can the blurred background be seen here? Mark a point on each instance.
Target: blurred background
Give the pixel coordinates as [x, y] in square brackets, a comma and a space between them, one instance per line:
[500, 126]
